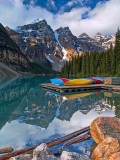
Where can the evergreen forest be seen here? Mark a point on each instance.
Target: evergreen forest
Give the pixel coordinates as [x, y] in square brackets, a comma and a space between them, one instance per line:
[89, 64]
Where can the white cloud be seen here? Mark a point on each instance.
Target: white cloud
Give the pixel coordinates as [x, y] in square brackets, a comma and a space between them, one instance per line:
[51, 3]
[105, 18]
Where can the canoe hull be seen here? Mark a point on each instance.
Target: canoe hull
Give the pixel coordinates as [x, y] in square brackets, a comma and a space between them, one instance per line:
[78, 82]
[57, 81]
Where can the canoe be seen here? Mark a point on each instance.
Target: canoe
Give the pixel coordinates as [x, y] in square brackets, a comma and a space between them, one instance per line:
[99, 78]
[64, 79]
[78, 82]
[93, 82]
[73, 96]
[97, 81]
[57, 81]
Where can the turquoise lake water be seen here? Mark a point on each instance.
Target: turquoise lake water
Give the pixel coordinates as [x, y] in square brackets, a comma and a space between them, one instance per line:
[30, 115]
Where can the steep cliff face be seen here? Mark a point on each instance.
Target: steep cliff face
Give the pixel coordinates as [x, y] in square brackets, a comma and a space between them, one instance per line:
[37, 40]
[10, 53]
[41, 44]
[89, 44]
[67, 42]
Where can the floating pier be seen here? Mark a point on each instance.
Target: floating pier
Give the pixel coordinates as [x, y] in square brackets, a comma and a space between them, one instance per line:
[68, 89]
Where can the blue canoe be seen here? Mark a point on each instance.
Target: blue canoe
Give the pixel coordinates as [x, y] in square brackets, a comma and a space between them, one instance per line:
[57, 81]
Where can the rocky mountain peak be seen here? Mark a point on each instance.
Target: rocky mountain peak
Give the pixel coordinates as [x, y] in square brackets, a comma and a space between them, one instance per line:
[98, 33]
[64, 31]
[39, 43]
[40, 26]
[98, 37]
[105, 41]
[83, 35]
[38, 20]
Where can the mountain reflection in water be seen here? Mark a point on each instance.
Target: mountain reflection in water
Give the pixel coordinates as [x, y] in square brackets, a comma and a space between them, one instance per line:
[30, 115]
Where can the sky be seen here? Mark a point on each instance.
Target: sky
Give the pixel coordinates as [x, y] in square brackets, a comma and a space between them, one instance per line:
[90, 16]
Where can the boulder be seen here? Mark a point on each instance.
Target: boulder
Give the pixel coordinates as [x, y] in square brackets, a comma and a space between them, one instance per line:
[59, 150]
[115, 156]
[73, 156]
[43, 152]
[47, 157]
[105, 149]
[24, 157]
[103, 127]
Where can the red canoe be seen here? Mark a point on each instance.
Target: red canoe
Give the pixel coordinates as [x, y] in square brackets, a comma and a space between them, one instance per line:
[64, 79]
[96, 80]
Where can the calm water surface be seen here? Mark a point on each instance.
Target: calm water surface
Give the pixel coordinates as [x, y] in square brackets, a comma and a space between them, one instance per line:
[30, 115]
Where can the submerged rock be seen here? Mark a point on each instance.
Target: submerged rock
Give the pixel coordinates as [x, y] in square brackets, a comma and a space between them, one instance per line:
[73, 156]
[103, 127]
[105, 149]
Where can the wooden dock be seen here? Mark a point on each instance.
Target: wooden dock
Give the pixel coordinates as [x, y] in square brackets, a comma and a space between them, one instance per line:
[68, 89]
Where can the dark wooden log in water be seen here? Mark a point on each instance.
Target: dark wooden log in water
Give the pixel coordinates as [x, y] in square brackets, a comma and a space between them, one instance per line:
[78, 139]
[67, 137]
[6, 150]
[17, 152]
[49, 144]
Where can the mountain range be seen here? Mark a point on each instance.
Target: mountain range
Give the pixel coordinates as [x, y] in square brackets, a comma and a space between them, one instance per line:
[40, 44]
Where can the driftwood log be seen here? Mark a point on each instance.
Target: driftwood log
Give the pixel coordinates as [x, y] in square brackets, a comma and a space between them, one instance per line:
[67, 137]
[78, 139]
[6, 150]
[49, 144]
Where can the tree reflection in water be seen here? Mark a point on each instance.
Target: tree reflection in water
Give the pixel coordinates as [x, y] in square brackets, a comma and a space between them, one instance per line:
[33, 114]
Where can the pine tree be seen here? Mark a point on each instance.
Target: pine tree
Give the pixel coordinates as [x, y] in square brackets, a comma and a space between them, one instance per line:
[84, 65]
[92, 60]
[117, 53]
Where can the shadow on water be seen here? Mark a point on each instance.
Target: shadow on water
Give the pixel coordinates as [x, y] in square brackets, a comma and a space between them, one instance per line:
[30, 114]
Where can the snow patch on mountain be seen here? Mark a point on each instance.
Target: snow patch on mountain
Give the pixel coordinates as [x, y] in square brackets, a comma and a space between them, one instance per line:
[25, 39]
[55, 53]
[63, 50]
[37, 21]
[49, 59]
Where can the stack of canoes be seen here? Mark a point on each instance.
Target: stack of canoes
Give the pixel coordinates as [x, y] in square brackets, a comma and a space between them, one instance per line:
[77, 82]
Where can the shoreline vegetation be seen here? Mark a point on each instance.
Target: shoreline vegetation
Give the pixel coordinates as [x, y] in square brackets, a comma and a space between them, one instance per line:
[94, 63]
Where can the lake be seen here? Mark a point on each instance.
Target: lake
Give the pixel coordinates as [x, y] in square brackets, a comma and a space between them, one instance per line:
[30, 114]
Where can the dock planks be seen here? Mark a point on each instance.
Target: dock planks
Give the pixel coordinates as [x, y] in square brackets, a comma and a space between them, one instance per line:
[67, 89]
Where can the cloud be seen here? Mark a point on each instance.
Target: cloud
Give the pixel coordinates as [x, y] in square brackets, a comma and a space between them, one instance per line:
[76, 2]
[51, 5]
[14, 12]
[104, 18]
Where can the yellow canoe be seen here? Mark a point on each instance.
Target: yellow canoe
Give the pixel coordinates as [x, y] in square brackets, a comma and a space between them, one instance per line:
[78, 82]
[79, 95]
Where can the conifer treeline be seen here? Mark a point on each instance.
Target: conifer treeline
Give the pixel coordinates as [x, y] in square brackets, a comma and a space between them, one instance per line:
[95, 63]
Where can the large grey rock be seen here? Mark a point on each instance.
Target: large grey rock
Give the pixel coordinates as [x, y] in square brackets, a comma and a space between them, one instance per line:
[73, 156]
[43, 152]
[48, 157]
[59, 150]
[23, 157]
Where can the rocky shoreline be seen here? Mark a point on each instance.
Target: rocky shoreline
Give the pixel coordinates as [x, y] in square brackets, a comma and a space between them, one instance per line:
[105, 132]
